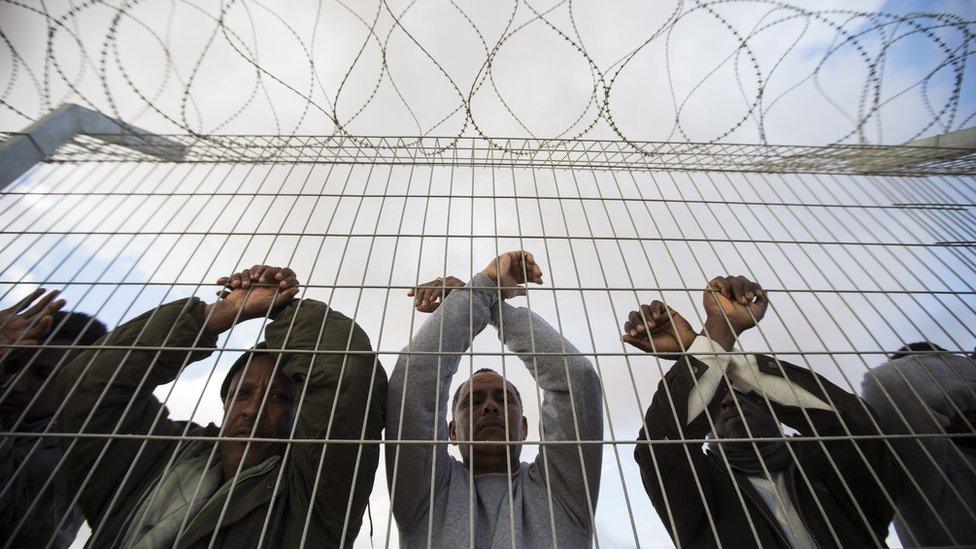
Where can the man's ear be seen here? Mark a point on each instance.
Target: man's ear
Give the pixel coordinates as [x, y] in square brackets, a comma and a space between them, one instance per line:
[451, 432]
[525, 428]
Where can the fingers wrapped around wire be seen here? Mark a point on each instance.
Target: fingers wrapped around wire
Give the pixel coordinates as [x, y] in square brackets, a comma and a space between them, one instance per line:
[732, 305]
[261, 291]
[282, 278]
[428, 296]
[659, 330]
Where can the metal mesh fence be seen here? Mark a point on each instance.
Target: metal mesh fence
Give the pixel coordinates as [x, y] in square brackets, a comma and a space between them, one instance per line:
[854, 265]
[653, 148]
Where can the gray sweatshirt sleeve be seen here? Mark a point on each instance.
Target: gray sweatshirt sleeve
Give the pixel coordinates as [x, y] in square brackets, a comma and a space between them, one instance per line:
[420, 386]
[923, 392]
[564, 380]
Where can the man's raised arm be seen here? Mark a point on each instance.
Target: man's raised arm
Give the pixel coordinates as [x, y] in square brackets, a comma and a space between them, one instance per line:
[354, 386]
[419, 392]
[676, 476]
[566, 379]
[101, 384]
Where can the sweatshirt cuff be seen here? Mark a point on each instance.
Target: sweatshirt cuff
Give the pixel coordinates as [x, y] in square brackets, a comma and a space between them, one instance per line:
[484, 290]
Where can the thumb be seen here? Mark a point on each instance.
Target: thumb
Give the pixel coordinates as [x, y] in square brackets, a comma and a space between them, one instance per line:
[635, 341]
[758, 307]
[285, 296]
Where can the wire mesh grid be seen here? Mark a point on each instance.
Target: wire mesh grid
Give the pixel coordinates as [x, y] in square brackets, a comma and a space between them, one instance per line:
[644, 161]
[855, 265]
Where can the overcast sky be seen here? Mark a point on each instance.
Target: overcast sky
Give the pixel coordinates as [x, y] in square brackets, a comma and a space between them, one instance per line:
[589, 69]
[659, 71]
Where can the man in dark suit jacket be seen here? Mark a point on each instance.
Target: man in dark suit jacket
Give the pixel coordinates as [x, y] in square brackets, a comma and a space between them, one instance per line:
[748, 492]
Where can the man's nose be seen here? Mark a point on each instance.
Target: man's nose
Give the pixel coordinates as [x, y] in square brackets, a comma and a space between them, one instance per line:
[490, 406]
[251, 407]
[727, 402]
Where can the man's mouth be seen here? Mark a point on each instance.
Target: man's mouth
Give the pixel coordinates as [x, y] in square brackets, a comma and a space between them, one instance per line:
[490, 425]
[735, 421]
[243, 432]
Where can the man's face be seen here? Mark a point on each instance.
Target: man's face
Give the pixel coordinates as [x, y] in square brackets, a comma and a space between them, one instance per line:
[244, 397]
[22, 390]
[480, 415]
[729, 423]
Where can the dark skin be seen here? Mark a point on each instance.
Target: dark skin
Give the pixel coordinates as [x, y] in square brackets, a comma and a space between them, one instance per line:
[488, 405]
[509, 271]
[732, 304]
[254, 293]
[247, 392]
[25, 371]
[428, 296]
[251, 293]
[730, 423]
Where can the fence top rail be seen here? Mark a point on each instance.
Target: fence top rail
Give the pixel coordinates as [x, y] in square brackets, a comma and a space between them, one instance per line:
[852, 159]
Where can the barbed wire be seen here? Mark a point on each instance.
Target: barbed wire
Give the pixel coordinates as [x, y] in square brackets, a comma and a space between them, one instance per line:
[104, 69]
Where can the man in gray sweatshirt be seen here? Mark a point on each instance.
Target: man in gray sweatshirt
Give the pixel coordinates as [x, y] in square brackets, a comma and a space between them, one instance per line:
[925, 390]
[490, 494]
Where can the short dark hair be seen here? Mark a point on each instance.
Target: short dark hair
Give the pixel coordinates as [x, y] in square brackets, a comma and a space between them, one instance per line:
[924, 346]
[457, 393]
[79, 328]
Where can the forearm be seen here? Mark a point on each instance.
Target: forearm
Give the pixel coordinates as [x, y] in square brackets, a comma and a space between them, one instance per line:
[423, 374]
[559, 369]
[419, 393]
[310, 325]
[571, 406]
[802, 395]
[346, 376]
[111, 391]
[120, 372]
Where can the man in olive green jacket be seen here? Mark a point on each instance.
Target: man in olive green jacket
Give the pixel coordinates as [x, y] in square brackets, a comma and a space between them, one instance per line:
[177, 491]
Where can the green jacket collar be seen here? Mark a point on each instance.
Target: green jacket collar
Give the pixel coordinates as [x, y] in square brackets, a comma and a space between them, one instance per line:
[255, 487]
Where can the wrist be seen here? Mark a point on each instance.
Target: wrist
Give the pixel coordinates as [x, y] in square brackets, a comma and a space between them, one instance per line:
[219, 317]
[490, 275]
[718, 331]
